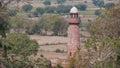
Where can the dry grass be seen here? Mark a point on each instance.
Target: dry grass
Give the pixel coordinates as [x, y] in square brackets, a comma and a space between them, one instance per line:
[43, 40]
[53, 47]
[48, 50]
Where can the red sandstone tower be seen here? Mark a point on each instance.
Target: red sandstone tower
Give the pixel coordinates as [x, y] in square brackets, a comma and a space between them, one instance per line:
[73, 32]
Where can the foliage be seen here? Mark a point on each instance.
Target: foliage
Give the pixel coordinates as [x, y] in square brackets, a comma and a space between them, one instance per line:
[14, 62]
[42, 63]
[39, 10]
[63, 9]
[27, 7]
[97, 12]
[4, 25]
[48, 22]
[18, 1]
[99, 3]
[81, 7]
[60, 1]
[78, 60]
[109, 5]
[33, 28]
[12, 12]
[17, 22]
[35, 14]
[60, 27]
[50, 9]
[47, 2]
[58, 66]
[58, 51]
[21, 44]
[105, 36]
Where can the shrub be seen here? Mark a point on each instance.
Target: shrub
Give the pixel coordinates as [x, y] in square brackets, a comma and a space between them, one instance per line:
[27, 7]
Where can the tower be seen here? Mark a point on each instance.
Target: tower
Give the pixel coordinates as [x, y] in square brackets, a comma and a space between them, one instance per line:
[73, 32]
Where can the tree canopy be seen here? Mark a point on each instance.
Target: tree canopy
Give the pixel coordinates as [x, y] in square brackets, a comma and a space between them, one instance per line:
[99, 3]
[60, 1]
[21, 44]
[47, 2]
[27, 7]
[105, 37]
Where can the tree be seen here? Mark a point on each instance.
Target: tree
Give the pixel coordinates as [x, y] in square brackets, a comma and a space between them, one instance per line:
[60, 1]
[21, 44]
[50, 9]
[81, 7]
[63, 9]
[17, 23]
[35, 14]
[18, 1]
[109, 5]
[104, 41]
[3, 27]
[14, 62]
[47, 2]
[12, 12]
[60, 27]
[97, 12]
[99, 3]
[39, 10]
[53, 23]
[33, 28]
[27, 7]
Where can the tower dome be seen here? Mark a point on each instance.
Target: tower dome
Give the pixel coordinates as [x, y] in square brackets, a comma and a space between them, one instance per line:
[73, 10]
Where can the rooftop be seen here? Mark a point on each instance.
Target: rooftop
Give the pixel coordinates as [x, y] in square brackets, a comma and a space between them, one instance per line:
[74, 10]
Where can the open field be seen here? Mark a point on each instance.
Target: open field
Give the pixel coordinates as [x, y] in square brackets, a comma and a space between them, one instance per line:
[48, 45]
[52, 48]
[45, 40]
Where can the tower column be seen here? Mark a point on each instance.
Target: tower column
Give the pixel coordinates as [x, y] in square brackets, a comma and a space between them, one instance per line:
[73, 32]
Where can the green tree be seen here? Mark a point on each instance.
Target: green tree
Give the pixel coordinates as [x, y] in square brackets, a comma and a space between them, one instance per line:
[33, 28]
[14, 62]
[63, 9]
[21, 44]
[81, 7]
[60, 1]
[109, 5]
[105, 39]
[4, 26]
[40, 10]
[47, 2]
[20, 24]
[12, 12]
[53, 23]
[50, 9]
[35, 14]
[99, 3]
[58, 66]
[42, 62]
[97, 12]
[27, 7]
[60, 27]
[18, 1]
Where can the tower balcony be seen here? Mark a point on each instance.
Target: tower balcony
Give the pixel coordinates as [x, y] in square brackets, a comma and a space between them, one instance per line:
[74, 20]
